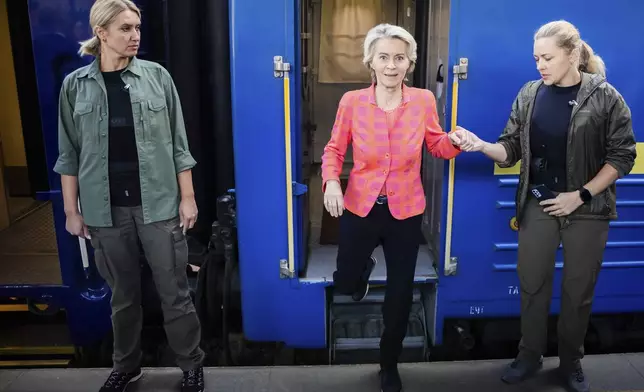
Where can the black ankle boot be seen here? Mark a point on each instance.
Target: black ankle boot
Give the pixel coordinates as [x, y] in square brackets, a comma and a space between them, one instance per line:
[390, 379]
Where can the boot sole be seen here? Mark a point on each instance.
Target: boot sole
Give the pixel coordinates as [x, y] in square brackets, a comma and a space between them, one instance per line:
[362, 296]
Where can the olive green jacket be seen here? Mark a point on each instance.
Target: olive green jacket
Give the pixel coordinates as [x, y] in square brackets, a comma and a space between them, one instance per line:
[83, 135]
[601, 132]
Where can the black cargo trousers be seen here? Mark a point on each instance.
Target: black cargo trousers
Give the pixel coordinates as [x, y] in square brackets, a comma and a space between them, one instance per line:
[400, 241]
[117, 258]
[584, 241]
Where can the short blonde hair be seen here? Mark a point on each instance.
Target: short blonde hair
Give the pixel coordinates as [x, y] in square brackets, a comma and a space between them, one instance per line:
[102, 14]
[386, 30]
[568, 38]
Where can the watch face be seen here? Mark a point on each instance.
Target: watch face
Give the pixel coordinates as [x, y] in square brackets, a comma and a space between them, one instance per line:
[585, 195]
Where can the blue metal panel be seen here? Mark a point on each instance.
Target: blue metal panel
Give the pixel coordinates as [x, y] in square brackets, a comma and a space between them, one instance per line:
[274, 309]
[56, 31]
[500, 62]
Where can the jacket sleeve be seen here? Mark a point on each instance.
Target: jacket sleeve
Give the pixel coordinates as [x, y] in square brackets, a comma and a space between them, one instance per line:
[510, 139]
[183, 159]
[620, 138]
[436, 140]
[68, 146]
[336, 148]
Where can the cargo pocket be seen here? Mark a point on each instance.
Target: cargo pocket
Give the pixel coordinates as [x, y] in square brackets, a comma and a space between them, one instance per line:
[180, 257]
[102, 264]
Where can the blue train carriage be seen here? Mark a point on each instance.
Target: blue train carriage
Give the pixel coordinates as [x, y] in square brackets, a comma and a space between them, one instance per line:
[39, 295]
[474, 55]
[284, 94]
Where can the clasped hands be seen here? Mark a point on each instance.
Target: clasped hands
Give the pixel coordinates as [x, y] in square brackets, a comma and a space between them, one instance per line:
[466, 140]
[563, 205]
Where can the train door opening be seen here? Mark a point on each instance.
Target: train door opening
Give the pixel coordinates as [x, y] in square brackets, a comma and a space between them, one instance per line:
[332, 35]
[28, 249]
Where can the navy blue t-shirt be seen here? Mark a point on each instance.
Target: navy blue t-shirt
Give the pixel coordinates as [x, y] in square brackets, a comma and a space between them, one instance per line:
[125, 187]
[549, 135]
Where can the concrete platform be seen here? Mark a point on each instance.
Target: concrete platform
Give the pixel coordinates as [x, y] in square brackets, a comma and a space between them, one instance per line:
[614, 373]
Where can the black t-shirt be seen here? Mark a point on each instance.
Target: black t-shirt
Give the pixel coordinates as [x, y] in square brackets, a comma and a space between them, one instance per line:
[549, 135]
[125, 186]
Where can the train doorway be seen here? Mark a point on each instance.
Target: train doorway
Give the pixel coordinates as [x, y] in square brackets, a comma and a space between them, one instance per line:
[28, 249]
[332, 62]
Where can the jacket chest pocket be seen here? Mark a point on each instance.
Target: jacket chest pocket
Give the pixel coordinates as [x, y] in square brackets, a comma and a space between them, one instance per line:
[156, 121]
[87, 122]
[590, 132]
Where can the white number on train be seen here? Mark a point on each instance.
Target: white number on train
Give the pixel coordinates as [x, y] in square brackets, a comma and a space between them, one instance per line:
[476, 310]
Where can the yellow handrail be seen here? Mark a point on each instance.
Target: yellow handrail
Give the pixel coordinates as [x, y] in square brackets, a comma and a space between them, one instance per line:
[450, 183]
[289, 175]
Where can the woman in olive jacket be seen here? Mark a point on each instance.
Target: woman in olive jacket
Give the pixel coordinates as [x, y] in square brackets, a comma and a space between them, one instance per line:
[572, 132]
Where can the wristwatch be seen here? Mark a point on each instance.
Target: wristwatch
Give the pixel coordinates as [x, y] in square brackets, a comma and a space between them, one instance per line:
[585, 195]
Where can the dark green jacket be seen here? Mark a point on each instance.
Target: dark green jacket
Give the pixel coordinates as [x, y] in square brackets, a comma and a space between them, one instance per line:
[600, 133]
[83, 135]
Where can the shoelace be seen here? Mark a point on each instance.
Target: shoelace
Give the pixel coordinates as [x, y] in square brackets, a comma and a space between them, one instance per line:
[579, 375]
[193, 378]
[115, 379]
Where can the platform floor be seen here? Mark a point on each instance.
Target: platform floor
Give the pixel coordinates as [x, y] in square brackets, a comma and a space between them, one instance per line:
[614, 373]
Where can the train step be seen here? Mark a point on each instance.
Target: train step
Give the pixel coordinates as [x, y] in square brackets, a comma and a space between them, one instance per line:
[34, 363]
[36, 356]
[28, 340]
[376, 295]
[356, 327]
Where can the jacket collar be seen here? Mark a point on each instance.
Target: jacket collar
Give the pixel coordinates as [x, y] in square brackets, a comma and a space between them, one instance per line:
[93, 69]
[589, 82]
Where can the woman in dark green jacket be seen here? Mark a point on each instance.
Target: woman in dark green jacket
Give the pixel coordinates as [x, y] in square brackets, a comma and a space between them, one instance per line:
[572, 132]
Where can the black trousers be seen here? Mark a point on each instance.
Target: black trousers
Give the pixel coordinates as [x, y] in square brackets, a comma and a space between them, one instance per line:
[400, 240]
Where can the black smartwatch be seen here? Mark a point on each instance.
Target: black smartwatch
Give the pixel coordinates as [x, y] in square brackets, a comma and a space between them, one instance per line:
[585, 195]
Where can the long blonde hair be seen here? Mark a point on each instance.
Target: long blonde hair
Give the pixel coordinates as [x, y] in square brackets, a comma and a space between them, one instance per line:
[102, 14]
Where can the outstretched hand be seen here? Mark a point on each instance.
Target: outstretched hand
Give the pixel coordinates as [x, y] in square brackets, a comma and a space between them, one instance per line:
[466, 140]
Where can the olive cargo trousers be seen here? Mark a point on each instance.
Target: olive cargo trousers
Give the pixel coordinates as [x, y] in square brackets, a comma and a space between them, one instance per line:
[117, 260]
[583, 243]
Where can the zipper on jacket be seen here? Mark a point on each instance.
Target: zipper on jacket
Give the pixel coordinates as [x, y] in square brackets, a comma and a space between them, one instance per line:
[576, 109]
